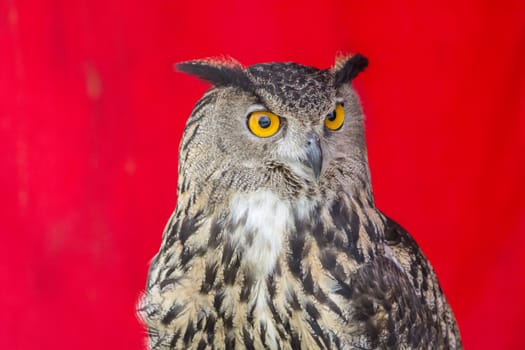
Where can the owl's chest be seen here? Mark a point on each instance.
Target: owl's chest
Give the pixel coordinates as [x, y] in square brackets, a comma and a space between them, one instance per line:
[281, 297]
[273, 282]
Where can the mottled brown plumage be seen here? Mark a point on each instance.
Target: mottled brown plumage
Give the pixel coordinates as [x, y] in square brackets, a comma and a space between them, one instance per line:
[275, 242]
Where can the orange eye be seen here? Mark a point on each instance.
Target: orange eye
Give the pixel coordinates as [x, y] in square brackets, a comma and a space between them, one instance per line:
[335, 119]
[263, 124]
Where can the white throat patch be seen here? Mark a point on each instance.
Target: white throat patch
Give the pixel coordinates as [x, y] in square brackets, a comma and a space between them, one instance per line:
[261, 220]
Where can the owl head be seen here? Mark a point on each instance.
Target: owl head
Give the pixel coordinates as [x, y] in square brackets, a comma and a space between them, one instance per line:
[285, 127]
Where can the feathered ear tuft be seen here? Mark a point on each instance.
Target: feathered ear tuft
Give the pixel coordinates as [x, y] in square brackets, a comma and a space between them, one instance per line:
[218, 72]
[347, 68]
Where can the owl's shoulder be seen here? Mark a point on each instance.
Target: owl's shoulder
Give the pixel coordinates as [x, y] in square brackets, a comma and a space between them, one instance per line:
[403, 249]
[402, 282]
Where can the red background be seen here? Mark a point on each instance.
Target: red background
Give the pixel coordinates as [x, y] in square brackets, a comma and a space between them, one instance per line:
[91, 114]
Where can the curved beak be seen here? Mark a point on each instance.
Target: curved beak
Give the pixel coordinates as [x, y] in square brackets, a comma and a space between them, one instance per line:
[313, 154]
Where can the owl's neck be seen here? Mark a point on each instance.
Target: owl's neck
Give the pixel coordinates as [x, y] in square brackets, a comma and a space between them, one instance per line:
[257, 225]
[269, 233]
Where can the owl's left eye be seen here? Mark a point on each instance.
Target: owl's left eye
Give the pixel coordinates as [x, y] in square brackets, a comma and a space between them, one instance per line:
[335, 119]
[263, 124]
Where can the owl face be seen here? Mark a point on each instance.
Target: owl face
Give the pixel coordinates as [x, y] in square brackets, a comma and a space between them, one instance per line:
[279, 126]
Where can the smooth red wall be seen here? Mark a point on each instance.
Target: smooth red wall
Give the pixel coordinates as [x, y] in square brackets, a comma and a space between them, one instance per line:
[91, 114]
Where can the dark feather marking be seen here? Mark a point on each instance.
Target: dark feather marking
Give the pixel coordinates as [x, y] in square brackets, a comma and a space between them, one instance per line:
[328, 259]
[330, 237]
[296, 343]
[215, 230]
[183, 186]
[308, 282]
[189, 225]
[169, 271]
[275, 314]
[200, 322]
[339, 214]
[249, 237]
[392, 338]
[369, 229]
[287, 327]
[185, 160]
[354, 224]
[228, 322]
[320, 296]
[202, 345]
[188, 255]
[270, 282]
[189, 139]
[174, 340]
[424, 283]
[172, 313]
[250, 315]
[358, 202]
[218, 73]
[318, 333]
[335, 309]
[352, 67]
[337, 343]
[189, 334]
[168, 282]
[262, 331]
[294, 259]
[372, 331]
[294, 301]
[312, 311]
[247, 286]
[227, 253]
[414, 271]
[248, 340]
[364, 308]
[217, 302]
[230, 342]
[185, 256]
[209, 278]
[319, 234]
[371, 253]
[283, 329]
[172, 236]
[352, 234]
[210, 328]
[230, 271]
[344, 289]
[339, 272]
[277, 270]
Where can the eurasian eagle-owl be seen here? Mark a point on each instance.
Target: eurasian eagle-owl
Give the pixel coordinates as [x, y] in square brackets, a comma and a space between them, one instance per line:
[275, 242]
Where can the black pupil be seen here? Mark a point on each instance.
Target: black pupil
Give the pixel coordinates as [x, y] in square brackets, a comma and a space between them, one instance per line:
[264, 121]
[331, 116]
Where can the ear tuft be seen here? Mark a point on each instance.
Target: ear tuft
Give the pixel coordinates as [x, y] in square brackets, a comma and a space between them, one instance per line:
[218, 72]
[346, 68]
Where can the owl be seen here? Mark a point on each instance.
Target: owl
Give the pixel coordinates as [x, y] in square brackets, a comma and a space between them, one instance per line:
[276, 242]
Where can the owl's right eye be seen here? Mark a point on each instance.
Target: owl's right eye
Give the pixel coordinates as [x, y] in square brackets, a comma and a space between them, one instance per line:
[263, 123]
